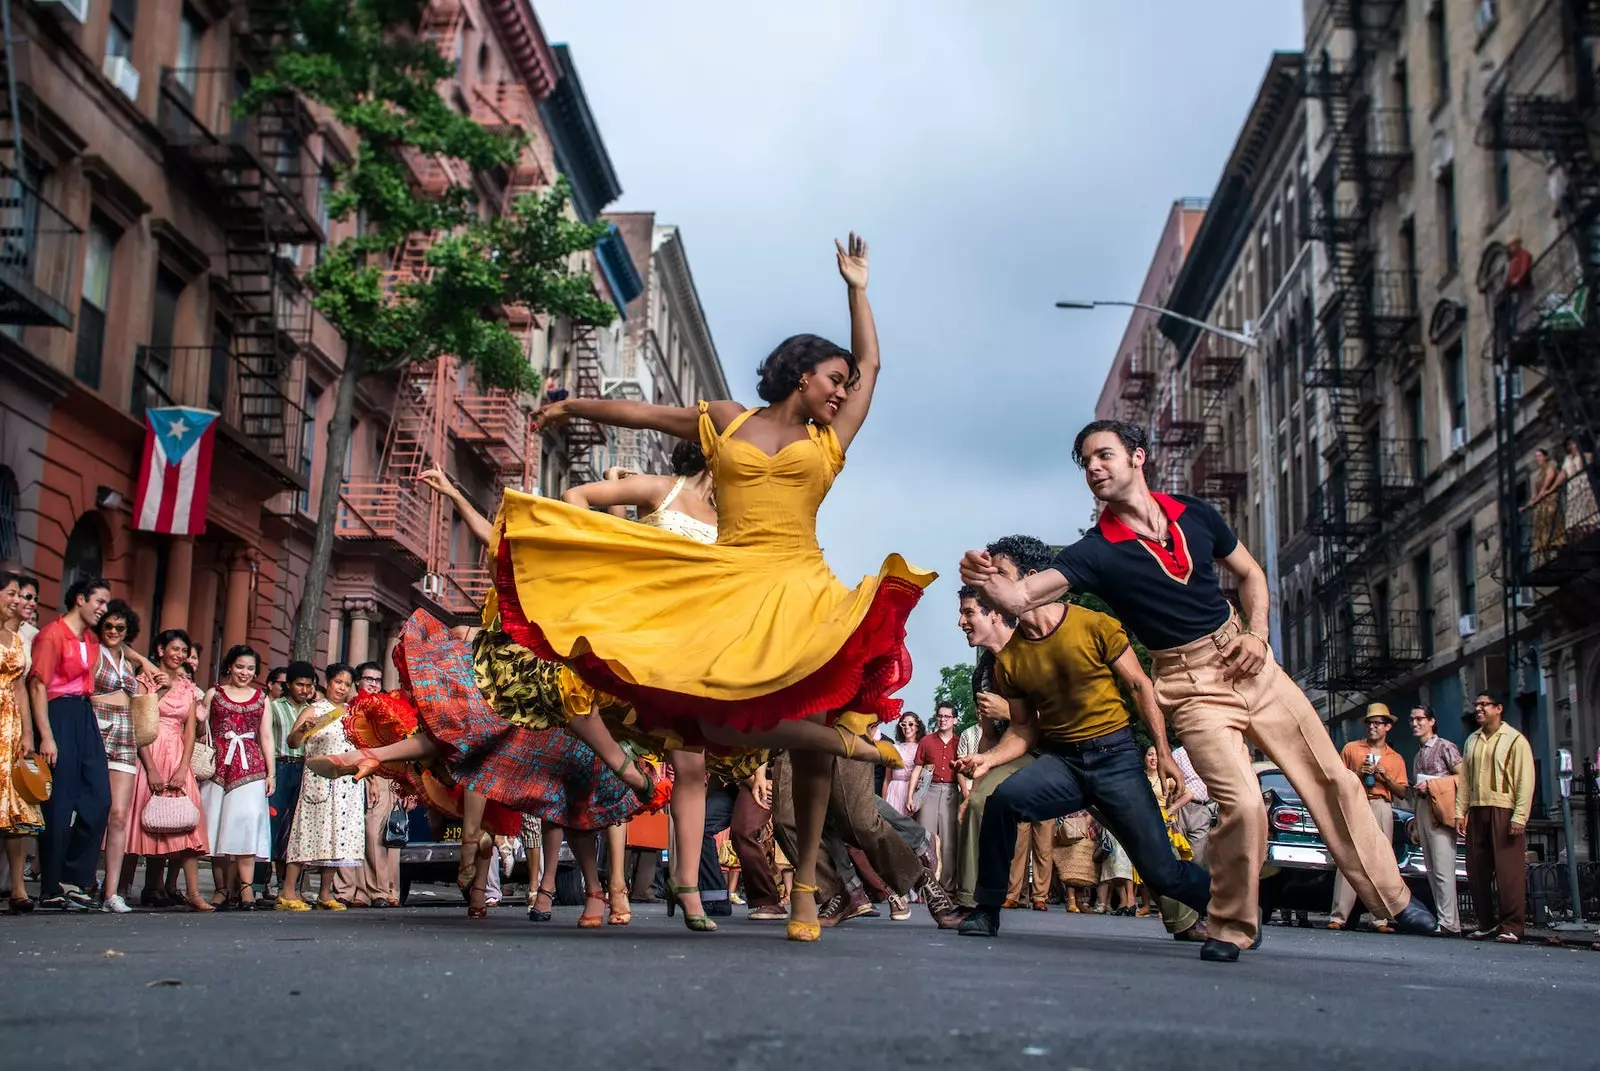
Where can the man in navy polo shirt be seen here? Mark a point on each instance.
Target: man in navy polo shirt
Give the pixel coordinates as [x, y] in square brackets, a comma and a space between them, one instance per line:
[1153, 558]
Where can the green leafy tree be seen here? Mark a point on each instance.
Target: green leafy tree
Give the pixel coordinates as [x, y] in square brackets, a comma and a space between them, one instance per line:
[365, 63]
[955, 688]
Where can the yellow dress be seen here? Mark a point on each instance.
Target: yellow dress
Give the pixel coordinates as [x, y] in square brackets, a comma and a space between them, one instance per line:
[18, 817]
[745, 632]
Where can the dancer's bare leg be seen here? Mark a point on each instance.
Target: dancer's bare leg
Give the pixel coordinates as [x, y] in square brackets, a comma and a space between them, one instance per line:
[592, 731]
[813, 780]
[474, 854]
[800, 734]
[117, 830]
[688, 826]
[617, 858]
[413, 748]
[586, 851]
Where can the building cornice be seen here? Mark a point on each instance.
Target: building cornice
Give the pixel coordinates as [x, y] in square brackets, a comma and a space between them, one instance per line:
[684, 298]
[519, 30]
[575, 135]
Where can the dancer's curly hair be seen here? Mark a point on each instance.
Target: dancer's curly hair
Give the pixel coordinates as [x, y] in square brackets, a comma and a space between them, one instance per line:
[1028, 554]
[687, 459]
[779, 375]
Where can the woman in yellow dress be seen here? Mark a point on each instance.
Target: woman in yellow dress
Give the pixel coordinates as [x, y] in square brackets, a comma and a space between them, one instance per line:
[19, 818]
[750, 641]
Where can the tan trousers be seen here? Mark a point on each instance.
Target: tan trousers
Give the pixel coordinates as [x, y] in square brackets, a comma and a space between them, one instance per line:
[1033, 840]
[1214, 717]
[1344, 895]
[1439, 850]
[378, 876]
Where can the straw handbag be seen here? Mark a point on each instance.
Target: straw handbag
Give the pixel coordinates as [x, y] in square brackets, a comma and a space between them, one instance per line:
[165, 815]
[203, 760]
[31, 775]
[146, 711]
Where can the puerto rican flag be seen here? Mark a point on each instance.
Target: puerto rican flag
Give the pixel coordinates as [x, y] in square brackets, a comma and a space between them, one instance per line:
[175, 475]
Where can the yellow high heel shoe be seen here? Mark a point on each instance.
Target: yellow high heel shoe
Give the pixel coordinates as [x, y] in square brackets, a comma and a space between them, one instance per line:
[887, 754]
[803, 931]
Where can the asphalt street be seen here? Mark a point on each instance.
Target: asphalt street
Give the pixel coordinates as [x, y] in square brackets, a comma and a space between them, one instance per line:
[424, 986]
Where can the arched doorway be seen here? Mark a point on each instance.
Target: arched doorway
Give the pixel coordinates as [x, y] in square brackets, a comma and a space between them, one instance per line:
[86, 551]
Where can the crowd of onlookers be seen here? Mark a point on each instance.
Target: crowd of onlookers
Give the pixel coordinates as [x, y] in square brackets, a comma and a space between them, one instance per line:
[110, 757]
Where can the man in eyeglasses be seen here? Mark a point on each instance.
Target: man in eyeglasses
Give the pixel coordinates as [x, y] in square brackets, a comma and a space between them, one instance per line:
[1492, 807]
[369, 678]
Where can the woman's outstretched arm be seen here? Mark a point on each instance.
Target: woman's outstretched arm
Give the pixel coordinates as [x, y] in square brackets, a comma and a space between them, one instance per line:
[642, 492]
[477, 524]
[681, 422]
[863, 339]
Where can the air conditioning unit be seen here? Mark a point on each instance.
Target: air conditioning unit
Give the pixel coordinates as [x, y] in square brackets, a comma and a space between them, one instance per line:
[77, 9]
[1486, 16]
[432, 585]
[123, 74]
[1467, 625]
[1522, 598]
[1458, 439]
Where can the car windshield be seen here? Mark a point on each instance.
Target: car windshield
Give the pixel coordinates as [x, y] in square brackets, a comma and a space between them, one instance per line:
[1273, 780]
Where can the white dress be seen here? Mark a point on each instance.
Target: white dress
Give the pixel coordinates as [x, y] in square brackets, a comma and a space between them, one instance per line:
[678, 522]
[330, 822]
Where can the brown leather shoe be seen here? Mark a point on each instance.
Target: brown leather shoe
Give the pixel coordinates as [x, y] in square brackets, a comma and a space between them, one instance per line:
[1197, 932]
[1011, 905]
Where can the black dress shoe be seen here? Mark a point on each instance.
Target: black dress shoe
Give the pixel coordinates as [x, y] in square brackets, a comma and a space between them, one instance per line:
[983, 922]
[1416, 919]
[1215, 951]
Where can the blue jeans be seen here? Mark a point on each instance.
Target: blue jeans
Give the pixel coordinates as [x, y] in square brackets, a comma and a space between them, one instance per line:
[1107, 774]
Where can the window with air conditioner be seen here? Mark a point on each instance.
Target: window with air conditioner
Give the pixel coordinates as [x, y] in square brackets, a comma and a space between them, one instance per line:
[1466, 565]
[1467, 625]
[118, 63]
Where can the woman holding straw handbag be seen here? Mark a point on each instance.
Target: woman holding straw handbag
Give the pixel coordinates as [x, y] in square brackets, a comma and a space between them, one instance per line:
[119, 703]
[167, 823]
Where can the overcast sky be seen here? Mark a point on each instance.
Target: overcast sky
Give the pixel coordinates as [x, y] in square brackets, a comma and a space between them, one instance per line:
[997, 156]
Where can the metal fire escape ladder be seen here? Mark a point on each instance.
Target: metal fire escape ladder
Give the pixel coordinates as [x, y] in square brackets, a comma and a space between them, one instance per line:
[1544, 100]
[1370, 317]
[584, 437]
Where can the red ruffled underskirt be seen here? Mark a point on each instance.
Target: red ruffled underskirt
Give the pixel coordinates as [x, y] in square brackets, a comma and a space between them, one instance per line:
[862, 676]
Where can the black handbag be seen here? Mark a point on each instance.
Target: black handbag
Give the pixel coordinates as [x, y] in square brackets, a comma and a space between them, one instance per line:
[397, 830]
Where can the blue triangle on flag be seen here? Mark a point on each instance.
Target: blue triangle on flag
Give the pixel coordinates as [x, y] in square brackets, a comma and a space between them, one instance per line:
[178, 428]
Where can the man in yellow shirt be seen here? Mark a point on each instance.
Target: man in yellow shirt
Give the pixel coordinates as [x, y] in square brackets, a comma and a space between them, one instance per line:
[1059, 674]
[1492, 805]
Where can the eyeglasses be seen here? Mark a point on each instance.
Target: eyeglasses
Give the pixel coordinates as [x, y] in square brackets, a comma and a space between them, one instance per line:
[31, 598]
[113, 628]
[371, 680]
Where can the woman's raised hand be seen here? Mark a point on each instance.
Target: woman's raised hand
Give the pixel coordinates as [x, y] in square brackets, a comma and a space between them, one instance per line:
[552, 415]
[436, 480]
[853, 261]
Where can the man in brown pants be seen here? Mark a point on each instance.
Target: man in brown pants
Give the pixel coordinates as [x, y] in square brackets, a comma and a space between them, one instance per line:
[1153, 558]
[1492, 806]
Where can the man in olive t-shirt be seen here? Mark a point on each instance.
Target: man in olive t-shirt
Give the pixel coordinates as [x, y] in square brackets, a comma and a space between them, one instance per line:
[1059, 674]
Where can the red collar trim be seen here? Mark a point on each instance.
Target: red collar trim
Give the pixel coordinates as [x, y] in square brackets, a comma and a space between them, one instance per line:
[1176, 562]
[1115, 531]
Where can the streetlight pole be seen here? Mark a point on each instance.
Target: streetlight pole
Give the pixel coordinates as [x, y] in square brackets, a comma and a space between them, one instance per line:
[1244, 338]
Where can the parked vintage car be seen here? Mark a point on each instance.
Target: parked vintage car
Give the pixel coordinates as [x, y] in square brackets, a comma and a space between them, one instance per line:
[1299, 870]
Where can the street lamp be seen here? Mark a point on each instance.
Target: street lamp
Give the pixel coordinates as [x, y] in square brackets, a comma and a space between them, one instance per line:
[1246, 338]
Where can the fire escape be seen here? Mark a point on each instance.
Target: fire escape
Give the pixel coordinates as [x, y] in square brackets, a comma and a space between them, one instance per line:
[1177, 433]
[1369, 318]
[38, 244]
[255, 170]
[441, 403]
[584, 438]
[1543, 101]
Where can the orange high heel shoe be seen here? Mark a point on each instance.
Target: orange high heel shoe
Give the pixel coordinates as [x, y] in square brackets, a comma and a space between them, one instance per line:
[593, 922]
[360, 764]
[803, 931]
[620, 912]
